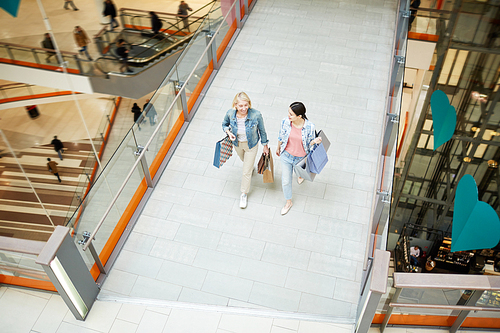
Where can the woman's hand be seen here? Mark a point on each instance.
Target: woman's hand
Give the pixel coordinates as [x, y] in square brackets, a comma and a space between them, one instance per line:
[232, 137]
[316, 141]
[266, 150]
[278, 149]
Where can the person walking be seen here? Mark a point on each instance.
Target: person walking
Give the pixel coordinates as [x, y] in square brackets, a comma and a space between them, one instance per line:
[48, 44]
[58, 146]
[110, 10]
[296, 136]
[122, 52]
[183, 14]
[244, 126]
[69, 3]
[136, 110]
[52, 166]
[150, 111]
[156, 23]
[82, 40]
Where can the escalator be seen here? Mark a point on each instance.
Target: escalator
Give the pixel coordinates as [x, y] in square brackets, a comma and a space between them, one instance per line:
[151, 57]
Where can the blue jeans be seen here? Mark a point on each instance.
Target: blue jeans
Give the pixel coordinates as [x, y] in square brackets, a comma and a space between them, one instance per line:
[287, 163]
[84, 50]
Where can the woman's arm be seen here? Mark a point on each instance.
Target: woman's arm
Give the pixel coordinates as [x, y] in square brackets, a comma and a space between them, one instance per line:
[227, 128]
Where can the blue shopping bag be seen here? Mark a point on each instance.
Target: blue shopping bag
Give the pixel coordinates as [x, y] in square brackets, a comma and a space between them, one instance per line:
[317, 159]
[223, 151]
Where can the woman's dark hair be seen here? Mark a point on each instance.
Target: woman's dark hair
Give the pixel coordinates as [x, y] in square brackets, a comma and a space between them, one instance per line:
[299, 109]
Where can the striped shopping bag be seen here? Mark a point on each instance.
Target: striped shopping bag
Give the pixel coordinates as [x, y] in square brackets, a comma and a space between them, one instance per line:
[223, 151]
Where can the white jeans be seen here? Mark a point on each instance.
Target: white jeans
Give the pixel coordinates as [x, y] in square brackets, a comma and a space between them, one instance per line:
[248, 157]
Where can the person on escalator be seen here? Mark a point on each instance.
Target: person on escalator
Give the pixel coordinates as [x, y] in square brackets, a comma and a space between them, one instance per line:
[110, 10]
[183, 14]
[47, 44]
[122, 52]
[156, 23]
[82, 40]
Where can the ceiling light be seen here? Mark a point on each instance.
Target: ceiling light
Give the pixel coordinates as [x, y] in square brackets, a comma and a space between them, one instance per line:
[467, 159]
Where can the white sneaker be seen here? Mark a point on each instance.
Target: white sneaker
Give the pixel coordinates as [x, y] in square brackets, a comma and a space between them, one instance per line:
[243, 200]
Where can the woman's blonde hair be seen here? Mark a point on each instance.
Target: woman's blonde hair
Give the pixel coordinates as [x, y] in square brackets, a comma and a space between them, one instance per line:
[242, 97]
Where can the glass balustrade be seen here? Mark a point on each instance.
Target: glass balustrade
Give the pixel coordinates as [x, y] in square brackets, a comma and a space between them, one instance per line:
[106, 212]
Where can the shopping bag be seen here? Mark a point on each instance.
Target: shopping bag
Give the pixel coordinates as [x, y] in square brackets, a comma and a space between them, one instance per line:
[269, 169]
[303, 167]
[317, 158]
[261, 164]
[223, 151]
[303, 170]
[324, 139]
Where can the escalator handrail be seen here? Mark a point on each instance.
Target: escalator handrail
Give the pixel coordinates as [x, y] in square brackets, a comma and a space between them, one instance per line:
[38, 49]
[173, 24]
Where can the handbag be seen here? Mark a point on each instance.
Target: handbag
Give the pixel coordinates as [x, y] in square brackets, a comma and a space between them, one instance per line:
[268, 175]
[223, 151]
[317, 159]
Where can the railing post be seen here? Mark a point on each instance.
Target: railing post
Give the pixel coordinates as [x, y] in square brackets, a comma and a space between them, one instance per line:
[144, 165]
[35, 55]
[78, 63]
[237, 8]
[371, 296]
[9, 51]
[93, 252]
[389, 310]
[246, 7]
[473, 298]
[183, 98]
[212, 54]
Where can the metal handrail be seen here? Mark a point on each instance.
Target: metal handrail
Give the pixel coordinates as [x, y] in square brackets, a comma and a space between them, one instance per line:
[38, 48]
[158, 128]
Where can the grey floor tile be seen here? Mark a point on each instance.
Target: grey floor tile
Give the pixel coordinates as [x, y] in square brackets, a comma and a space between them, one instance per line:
[284, 255]
[181, 274]
[139, 243]
[170, 250]
[139, 264]
[347, 291]
[196, 296]
[228, 286]
[275, 297]
[120, 282]
[191, 215]
[154, 227]
[311, 283]
[332, 266]
[241, 246]
[322, 305]
[272, 233]
[232, 225]
[218, 261]
[320, 243]
[264, 272]
[197, 236]
[151, 288]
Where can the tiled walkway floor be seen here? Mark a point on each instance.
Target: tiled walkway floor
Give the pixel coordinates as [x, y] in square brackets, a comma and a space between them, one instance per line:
[194, 244]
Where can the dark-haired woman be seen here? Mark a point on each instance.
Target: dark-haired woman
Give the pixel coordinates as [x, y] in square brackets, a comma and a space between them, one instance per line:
[295, 139]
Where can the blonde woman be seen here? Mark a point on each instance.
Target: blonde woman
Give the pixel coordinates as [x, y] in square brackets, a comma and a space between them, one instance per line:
[244, 126]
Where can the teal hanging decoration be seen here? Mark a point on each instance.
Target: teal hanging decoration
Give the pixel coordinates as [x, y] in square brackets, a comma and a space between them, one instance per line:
[476, 225]
[10, 6]
[444, 118]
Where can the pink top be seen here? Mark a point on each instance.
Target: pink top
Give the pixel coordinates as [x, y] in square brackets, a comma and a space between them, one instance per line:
[294, 145]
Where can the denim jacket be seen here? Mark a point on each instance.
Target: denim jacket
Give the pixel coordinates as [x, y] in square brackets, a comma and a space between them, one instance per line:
[254, 127]
[308, 134]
